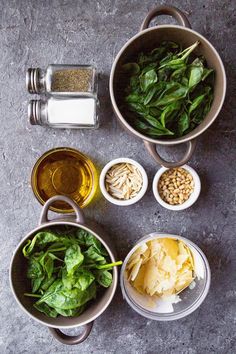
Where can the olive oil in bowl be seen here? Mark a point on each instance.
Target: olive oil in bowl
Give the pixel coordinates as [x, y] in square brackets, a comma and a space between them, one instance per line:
[64, 171]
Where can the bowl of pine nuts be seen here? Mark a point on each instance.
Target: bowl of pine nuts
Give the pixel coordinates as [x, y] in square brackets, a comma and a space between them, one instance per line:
[123, 181]
[176, 188]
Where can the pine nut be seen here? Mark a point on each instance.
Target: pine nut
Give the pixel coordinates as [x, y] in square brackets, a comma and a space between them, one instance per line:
[175, 186]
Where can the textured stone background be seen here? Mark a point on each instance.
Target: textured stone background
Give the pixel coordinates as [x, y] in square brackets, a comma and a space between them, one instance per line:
[36, 33]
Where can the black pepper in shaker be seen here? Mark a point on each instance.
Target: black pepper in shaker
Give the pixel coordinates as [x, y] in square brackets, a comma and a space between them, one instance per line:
[62, 80]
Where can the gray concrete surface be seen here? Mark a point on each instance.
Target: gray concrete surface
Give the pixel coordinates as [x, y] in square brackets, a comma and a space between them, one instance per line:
[36, 33]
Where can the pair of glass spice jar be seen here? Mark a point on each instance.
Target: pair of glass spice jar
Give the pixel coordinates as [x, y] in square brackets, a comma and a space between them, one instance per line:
[70, 96]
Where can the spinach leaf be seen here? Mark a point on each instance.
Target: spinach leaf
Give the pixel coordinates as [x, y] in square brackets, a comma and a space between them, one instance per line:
[81, 279]
[66, 270]
[73, 258]
[71, 313]
[46, 283]
[87, 239]
[65, 299]
[93, 255]
[35, 273]
[103, 277]
[48, 266]
[40, 240]
[84, 279]
[47, 310]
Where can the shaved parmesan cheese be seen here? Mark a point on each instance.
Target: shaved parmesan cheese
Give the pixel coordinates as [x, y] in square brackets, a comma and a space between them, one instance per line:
[161, 267]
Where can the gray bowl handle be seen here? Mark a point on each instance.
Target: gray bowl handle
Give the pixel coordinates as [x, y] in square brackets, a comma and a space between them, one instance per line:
[78, 212]
[151, 148]
[71, 340]
[180, 17]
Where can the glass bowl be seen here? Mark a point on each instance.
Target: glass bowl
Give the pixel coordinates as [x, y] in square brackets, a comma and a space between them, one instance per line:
[64, 171]
[190, 298]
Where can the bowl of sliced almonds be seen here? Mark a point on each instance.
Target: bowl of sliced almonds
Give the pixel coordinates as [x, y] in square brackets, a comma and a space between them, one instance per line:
[176, 188]
[123, 181]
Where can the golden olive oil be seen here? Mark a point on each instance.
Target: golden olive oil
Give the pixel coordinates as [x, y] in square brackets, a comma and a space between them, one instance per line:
[64, 171]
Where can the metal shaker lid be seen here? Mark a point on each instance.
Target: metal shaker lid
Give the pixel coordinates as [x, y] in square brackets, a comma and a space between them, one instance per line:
[33, 80]
[34, 112]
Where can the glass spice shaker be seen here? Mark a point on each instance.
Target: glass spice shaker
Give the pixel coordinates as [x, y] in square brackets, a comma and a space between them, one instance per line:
[62, 80]
[66, 112]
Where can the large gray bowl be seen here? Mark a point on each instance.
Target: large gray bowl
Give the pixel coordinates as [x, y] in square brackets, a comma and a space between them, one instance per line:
[148, 39]
[20, 284]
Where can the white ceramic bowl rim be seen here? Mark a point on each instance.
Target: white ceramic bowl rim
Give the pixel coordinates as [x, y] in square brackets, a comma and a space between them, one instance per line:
[166, 316]
[193, 196]
[129, 201]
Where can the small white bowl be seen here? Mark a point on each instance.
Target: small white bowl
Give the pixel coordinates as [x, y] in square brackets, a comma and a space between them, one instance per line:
[193, 196]
[115, 201]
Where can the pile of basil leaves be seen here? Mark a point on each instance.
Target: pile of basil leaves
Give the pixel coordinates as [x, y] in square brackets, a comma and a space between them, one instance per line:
[169, 91]
[66, 270]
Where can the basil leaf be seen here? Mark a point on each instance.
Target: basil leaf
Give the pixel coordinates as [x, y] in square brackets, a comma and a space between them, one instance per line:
[206, 73]
[183, 123]
[168, 112]
[167, 85]
[147, 129]
[150, 94]
[196, 73]
[182, 56]
[132, 68]
[176, 95]
[148, 79]
[196, 102]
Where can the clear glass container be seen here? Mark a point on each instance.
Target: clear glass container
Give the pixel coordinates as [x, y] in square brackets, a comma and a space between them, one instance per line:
[191, 297]
[62, 80]
[64, 112]
[64, 171]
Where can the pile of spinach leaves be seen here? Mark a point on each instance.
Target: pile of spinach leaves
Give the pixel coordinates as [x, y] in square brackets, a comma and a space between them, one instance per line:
[168, 91]
[66, 270]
